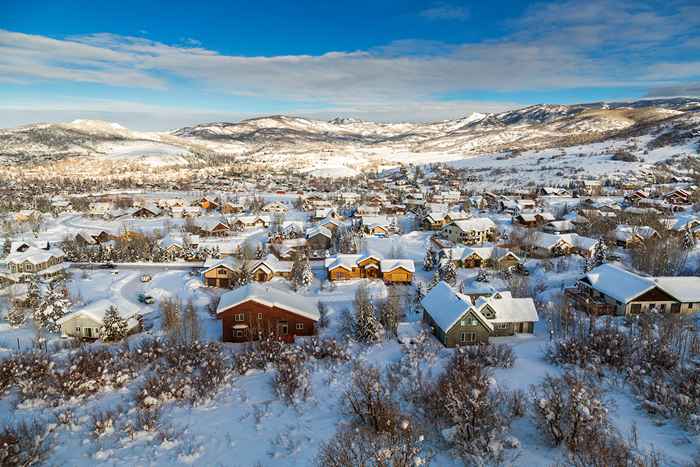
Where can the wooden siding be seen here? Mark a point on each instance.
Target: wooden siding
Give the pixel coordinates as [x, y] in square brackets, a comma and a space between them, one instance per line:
[263, 319]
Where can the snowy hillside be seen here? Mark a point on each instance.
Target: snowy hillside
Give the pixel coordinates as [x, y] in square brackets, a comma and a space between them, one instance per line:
[345, 145]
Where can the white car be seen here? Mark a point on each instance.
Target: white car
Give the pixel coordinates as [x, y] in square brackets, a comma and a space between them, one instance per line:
[146, 278]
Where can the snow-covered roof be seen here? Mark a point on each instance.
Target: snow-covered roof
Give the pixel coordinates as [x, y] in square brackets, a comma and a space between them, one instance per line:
[270, 296]
[445, 306]
[318, 230]
[388, 265]
[273, 264]
[683, 289]
[97, 310]
[477, 223]
[508, 309]
[618, 283]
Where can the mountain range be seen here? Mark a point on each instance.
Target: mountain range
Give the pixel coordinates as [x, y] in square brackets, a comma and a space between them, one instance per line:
[345, 144]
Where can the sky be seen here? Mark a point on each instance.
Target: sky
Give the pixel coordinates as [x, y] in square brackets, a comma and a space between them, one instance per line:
[161, 65]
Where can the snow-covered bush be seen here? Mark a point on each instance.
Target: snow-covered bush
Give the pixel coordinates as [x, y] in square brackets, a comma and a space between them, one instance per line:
[362, 446]
[52, 307]
[103, 422]
[369, 400]
[470, 410]
[366, 327]
[292, 381]
[16, 315]
[25, 444]
[570, 411]
[491, 355]
[325, 349]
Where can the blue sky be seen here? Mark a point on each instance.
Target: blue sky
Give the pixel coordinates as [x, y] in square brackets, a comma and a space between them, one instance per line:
[158, 65]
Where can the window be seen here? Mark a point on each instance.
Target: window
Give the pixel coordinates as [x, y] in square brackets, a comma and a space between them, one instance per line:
[239, 332]
[239, 317]
[283, 328]
[502, 326]
[300, 326]
[467, 337]
[221, 271]
[77, 330]
[259, 315]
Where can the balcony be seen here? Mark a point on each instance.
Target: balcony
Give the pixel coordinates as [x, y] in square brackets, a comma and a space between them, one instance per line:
[584, 301]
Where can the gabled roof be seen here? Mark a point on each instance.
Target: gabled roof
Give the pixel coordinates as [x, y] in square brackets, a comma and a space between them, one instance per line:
[508, 309]
[446, 307]
[271, 263]
[618, 283]
[388, 265]
[97, 310]
[270, 296]
[477, 223]
[318, 230]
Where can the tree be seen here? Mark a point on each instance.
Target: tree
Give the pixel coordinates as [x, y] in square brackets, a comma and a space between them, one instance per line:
[191, 328]
[322, 315]
[688, 240]
[6, 246]
[448, 272]
[434, 280]
[367, 328]
[481, 276]
[390, 311]
[33, 293]
[600, 254]
[52, 307]
[301, 272]
[16, 315]
[428, 261]
[114, 327]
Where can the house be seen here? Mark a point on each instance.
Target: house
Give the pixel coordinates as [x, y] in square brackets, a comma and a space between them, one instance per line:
[470, 231]
[220, 272]
[392, 271]
[26, 215]
[330, 223]
[86, 322]
[479, 257]
[632, 236]
[208, 203]
[186, 211]
[397, 271]
[232, 208]
[288, 249]
[318, 238]
[34, 259]
[171, 245]
[147, 211]
[255, 310]
[457, 320]
[270, 267]
[436, 220]
[212, 226]
[249, 222]
[677, 197]
[565, 226]
[275, 207]
[344, 267]
[544, 245]
[611, 289]
[367, 210]
[378, 226]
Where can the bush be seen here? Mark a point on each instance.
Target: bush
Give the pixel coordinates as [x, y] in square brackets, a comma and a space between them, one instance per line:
[569, 411]
[25, 444]
[292, 379]
[369, 400]
[491, 355]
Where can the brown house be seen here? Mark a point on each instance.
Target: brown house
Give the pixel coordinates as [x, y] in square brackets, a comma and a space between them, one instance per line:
[208, 204]
[219, 273]
[256, 310]
[345, 267]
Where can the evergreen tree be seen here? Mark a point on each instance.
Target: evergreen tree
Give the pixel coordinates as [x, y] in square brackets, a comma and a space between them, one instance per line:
[16, 315]
[114, 327]
[688, 240]
[33, 293]
[587, 264]
[190, 322]
[448, 272]
[481, 276]
[323, 315]
[52, 307]
[428, 261]
[6, 246]
[600, 254]
[307, 276]
[301, 272]
[367, 328]
[434, 280]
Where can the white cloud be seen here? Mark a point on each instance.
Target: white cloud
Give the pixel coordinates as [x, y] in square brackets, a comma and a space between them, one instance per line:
[446, 11]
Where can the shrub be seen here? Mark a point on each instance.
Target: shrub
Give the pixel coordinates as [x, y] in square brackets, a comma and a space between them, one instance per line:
[292, 379]
[369, 400]
[25, 444]
[492, 355]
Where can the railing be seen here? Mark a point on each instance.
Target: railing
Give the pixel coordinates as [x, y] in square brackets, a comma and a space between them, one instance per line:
[585, 302]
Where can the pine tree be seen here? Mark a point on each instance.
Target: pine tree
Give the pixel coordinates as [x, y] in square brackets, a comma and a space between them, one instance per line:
[307, 276]
[367, 328]
[52, 307]
[688, 240]
[600, 254]
[428, 261]
[587, 264]
[114, 327]
[434, 280]
[301, 272]
[33, 293]
[6, 246]
[16, 315]
[481, 276]
[448, 273]
[323, 320]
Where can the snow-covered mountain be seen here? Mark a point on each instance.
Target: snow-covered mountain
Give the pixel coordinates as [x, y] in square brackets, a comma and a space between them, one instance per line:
[309, 144]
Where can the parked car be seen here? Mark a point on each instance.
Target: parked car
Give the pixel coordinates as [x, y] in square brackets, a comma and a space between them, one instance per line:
[146, 278]
[107, 266]
[147, 299]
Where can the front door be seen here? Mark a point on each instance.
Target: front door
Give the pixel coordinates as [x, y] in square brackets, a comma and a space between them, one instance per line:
[283, 328]
[88, 333]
